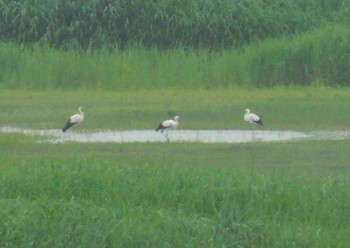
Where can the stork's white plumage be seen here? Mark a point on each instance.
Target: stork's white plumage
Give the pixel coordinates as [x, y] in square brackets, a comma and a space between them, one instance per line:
[168, 125]
[253, 118]
[74, 120]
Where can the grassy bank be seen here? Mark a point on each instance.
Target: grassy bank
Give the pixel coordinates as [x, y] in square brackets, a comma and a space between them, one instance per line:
[178, 195]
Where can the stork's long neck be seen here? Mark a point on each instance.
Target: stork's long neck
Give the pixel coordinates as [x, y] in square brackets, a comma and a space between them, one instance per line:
[81, 112]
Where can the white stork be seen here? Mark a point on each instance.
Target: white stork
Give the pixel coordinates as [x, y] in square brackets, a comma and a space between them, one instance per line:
[253, 118]
[74, 120]
[168, 125]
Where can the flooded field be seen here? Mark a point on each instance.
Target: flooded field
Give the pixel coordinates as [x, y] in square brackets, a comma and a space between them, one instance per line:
[204, 136]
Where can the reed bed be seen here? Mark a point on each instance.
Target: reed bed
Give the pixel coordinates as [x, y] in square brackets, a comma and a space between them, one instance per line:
[208, 24]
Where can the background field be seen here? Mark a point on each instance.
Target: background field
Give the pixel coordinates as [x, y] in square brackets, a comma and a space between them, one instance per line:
[97, 44]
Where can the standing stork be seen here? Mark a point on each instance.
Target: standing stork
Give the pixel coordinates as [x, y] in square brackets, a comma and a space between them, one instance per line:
[74, 120]
[253, 118]
[168, 125]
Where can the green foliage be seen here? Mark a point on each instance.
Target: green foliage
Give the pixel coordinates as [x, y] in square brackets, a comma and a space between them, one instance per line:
[89, 24]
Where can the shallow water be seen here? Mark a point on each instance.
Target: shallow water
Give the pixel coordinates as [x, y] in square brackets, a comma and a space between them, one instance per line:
[204, 136]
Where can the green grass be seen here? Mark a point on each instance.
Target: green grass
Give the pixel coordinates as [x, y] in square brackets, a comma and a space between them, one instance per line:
[278, 194]
[282, 108]
[177, 195]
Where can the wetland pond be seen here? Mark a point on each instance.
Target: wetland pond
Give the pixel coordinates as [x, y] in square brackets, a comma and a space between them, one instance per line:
[203, 136]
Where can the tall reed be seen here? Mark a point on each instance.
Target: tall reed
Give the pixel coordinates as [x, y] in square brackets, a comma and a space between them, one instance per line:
[320, 56]
[161, 23]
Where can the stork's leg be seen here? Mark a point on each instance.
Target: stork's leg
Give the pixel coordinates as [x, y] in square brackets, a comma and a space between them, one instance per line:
[167, 135]
[252, 129]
